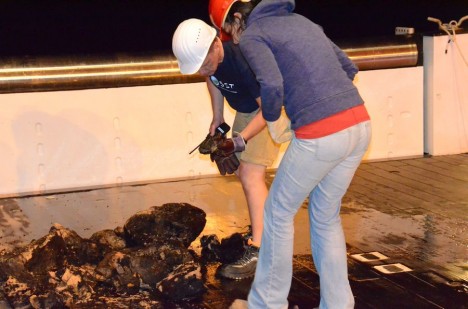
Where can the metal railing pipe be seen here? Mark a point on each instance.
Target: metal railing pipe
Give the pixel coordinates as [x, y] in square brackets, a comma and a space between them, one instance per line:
[89, 72]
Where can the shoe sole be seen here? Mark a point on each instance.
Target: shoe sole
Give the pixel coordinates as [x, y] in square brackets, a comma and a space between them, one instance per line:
[236, 277]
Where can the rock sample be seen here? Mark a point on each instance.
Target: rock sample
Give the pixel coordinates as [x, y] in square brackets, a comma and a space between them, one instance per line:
[140, 264]
[170, 222]
[226, 251]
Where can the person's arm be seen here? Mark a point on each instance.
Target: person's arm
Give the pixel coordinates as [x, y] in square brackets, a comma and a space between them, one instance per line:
[217, 105]
[263, 64]
[255, 125]
[348, 66]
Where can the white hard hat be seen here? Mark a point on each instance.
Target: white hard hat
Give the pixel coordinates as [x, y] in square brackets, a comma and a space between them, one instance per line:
[191, 43]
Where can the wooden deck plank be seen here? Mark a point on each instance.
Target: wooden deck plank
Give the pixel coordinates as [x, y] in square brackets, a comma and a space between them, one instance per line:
[452, 159]
[423, 186]
[380, 197]
[450, 167]
[429, 178]
[384, 194]
[443, 169]
[400, 185]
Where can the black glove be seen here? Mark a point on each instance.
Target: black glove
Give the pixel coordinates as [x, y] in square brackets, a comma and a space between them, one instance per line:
[226, 165]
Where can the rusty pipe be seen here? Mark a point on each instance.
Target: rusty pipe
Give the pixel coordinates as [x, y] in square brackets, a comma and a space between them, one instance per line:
[84, 72]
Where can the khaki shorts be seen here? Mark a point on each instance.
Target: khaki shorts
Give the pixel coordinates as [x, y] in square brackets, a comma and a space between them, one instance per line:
[260, 149]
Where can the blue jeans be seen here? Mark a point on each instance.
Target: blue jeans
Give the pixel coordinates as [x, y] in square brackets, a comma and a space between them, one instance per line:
[322, 169]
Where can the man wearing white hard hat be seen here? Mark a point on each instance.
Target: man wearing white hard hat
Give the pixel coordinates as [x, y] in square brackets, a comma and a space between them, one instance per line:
[198, 50]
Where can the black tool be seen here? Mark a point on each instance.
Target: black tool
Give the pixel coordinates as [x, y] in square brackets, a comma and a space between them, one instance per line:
[208, 145]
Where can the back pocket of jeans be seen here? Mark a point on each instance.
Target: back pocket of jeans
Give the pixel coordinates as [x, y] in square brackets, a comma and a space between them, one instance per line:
[333, 147]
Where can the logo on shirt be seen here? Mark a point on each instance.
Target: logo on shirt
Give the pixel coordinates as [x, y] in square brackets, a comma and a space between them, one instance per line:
[224, 86]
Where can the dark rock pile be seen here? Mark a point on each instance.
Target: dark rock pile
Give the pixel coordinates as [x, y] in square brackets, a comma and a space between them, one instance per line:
[228, 250]
[138, 265]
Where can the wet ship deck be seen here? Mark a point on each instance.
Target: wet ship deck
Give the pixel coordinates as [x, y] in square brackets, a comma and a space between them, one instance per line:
[405, 223]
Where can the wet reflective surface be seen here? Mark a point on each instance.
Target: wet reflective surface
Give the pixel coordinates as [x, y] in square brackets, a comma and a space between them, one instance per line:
[405, 223]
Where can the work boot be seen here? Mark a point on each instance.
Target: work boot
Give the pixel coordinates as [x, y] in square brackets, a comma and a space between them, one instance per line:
[244, 267]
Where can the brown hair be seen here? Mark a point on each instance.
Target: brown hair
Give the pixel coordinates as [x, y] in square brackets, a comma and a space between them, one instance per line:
[244, 8]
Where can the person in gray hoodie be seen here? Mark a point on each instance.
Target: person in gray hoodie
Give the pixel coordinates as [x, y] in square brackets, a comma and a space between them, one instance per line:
[300, 68]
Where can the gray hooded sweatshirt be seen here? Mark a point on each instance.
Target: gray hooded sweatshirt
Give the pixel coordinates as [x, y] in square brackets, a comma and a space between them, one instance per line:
[297, 65]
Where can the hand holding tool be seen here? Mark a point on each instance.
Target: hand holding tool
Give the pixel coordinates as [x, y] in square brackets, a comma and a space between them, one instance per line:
[208, 145]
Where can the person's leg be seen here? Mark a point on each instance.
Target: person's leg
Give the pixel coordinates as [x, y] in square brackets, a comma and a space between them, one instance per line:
[296, 176]
[260, 152]
[300, 171]
[252, 177]
[327, 237]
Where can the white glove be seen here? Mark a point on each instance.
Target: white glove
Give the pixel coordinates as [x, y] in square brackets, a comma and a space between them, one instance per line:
[280, 130]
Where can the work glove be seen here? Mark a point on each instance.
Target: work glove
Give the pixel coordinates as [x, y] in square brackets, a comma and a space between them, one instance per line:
[226, 165]
[210, 143]
[229, 146]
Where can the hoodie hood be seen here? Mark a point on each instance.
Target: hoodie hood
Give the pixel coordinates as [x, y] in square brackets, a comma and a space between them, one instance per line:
[267, 8]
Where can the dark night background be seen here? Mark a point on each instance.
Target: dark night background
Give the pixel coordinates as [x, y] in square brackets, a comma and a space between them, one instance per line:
[60, 27]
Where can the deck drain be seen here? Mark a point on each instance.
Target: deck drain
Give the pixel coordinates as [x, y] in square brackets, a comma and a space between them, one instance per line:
[369, 256]
[392, 268]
